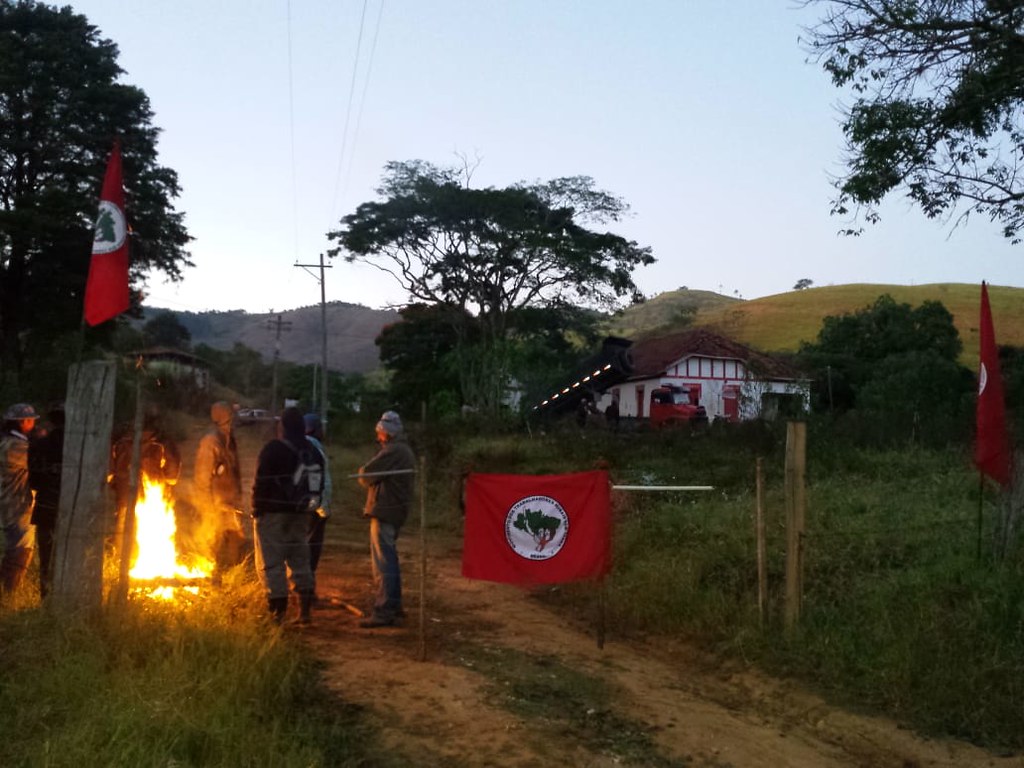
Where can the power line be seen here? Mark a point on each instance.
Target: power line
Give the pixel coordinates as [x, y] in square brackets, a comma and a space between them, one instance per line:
[291, 129]
[348, 110]
[362, 98]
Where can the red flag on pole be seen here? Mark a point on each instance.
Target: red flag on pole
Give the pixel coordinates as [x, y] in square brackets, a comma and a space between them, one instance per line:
[537, 529]
[106, 290]
[992, 445]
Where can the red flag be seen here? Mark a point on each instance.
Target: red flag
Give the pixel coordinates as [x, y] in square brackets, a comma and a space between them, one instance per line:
[992, 446]
[537, 529]
[106, 290]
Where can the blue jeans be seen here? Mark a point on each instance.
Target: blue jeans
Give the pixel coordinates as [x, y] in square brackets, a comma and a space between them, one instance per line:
[387, 578]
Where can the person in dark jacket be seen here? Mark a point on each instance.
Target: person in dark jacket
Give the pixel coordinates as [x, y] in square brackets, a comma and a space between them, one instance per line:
[45, 464]
[388, 478]
[280, 527]
[318, 520]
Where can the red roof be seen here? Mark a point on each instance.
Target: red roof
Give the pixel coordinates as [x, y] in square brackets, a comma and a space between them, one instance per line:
[653, 356]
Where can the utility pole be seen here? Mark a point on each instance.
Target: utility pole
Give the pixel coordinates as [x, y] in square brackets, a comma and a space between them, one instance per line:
[281, 325]
[323, 322]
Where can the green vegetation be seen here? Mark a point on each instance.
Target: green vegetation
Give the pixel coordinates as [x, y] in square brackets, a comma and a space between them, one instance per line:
[158, 685]
[900, 614]
[564, 700]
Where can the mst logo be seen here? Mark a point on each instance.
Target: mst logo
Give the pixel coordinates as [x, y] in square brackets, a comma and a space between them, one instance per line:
[536, 527]
[110, 230]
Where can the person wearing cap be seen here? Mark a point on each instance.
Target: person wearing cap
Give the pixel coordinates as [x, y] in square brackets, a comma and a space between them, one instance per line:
[388, 480]
[16, 495]
[217, 489]
[280, 527]
[318, 520]
[45, 465]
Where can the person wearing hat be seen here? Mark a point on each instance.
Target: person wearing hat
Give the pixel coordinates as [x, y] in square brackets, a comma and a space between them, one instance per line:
[388, 479]
[217, 487]
[16, 495]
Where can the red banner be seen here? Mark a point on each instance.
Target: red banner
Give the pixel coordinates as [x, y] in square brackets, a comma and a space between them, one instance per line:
[106, 290]
[537, 529]
[992, 445]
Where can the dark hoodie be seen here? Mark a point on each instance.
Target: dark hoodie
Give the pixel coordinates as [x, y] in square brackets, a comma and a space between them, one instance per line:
[277, 462]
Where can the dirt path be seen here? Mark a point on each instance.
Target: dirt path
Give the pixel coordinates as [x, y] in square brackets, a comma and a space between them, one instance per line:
[501, 682]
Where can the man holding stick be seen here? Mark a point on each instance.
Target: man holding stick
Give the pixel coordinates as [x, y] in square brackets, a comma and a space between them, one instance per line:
[388, 478]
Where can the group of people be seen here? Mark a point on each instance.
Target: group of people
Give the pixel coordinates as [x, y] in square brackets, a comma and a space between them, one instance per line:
[291, 500]
[288, 547]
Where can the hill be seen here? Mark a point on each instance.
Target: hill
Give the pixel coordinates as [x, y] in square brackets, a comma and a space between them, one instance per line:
[666, 311]
[781, 322]
[351, 330]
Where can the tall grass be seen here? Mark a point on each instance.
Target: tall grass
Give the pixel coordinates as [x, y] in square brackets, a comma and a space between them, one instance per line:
[900, 614]
[154, 684]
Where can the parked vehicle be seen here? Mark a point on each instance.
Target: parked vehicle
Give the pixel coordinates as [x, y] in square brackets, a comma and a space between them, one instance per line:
[671, 407]
[252, 415]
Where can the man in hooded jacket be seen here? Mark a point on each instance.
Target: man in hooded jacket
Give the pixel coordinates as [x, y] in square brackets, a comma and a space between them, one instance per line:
[280, 527]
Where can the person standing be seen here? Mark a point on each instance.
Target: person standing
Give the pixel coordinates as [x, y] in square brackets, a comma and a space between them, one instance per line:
[45, 464]
[16, 495]
[281, 522]
[217, 484]
[318, 520]
[388, 479]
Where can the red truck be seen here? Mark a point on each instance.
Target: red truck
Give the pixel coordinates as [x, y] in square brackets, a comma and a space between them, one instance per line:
[671, 407]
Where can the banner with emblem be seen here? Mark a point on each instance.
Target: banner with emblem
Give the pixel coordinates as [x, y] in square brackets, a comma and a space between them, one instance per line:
[992, 444]
[106, 289]
[537, 529]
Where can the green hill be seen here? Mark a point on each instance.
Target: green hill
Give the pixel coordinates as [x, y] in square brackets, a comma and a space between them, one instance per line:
[779, 323]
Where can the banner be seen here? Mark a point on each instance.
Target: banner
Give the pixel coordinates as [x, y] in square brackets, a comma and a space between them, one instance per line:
[106, 289]
[992, 445]
[537, 529]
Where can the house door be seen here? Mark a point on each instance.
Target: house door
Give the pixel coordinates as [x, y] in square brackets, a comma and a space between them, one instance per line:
[640, 402]
[731, 403]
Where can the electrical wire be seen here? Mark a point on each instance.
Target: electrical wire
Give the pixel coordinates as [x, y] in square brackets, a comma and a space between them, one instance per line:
[348, 111]
[362, 98]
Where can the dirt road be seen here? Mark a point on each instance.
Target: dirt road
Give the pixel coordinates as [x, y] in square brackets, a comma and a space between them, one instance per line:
[504, 681]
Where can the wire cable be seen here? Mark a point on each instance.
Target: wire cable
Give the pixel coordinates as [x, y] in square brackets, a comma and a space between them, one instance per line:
[348, 112]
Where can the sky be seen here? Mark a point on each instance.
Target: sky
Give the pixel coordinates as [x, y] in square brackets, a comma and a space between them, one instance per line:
[706, 117]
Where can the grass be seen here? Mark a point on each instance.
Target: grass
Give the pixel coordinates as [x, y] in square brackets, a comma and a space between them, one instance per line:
[900, 615]
[779, 323]
[564, 701]
[152, 684]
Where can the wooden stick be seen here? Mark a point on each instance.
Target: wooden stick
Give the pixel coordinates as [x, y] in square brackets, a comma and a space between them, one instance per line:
[663, 487]
[762, 568]
[423, 560]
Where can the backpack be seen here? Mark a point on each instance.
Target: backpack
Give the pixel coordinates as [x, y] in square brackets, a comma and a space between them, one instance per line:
[304, 487]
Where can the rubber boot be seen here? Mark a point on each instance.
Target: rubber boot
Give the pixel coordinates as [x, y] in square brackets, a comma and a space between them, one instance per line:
[278, 608]
[305, 607]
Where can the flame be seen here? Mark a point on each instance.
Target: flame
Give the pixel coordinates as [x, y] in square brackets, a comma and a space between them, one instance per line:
[155, 529]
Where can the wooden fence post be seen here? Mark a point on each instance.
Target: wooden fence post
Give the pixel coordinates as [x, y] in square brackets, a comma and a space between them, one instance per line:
[423, 560]
[78, 551]
[762, 565]
[796, 465]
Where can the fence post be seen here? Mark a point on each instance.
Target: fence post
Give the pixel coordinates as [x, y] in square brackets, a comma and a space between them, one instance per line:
[78, 550]
[762, 566]
[423, 560]
[796, 465]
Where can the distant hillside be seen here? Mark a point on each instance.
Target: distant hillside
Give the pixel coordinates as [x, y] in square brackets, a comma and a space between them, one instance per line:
[351, 330]
[664, 311]
[779, 323]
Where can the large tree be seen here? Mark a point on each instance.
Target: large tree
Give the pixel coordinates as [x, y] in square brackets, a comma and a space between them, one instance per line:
[490, 253]
[937, 90]
[61, 107]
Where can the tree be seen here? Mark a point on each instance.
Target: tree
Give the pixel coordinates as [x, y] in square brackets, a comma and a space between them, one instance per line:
[802, 284]
[937, 104]
[852, 350]
[61, 106]
[487, 253]
[165, 330]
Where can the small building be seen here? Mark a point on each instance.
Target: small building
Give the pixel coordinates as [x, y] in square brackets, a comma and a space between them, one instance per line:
[174, 364]
[732, 381]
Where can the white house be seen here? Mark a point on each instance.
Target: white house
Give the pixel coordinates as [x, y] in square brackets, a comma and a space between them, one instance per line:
[730, 380]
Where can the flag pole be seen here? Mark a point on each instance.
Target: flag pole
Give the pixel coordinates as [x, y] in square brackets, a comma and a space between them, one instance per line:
[981, 496]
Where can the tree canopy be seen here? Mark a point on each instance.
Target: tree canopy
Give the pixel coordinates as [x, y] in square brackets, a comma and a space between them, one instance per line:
[937, 87]
[61, 107]
[489, 254]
